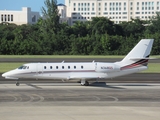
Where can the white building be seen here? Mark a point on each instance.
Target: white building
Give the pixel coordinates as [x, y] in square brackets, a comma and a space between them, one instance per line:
[116, 10]
[62, 13]
[26, 16]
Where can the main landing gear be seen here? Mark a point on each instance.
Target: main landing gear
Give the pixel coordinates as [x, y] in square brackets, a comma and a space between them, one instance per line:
[84, 82]
[17, 83]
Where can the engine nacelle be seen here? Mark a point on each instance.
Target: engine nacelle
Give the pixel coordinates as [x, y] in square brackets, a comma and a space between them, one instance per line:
[107, 67]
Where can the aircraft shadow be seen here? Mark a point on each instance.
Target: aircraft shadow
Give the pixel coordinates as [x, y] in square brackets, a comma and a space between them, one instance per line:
[104, 85]
[96, 84]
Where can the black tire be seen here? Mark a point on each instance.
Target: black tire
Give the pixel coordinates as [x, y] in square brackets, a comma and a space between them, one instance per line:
[17, 83]
[87, 83]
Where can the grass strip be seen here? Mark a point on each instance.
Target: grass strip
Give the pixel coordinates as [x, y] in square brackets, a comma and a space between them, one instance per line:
[60, 56]
[9, 66]
[152, 68]
[67, 56]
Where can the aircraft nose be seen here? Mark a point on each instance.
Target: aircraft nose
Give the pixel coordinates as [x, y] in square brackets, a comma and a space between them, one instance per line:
[8, 75]
[4, 75]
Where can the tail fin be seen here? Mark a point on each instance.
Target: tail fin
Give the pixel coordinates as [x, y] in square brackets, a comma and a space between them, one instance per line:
[139, 55]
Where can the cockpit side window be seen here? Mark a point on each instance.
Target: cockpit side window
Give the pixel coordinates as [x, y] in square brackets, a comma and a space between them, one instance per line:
[23, 67]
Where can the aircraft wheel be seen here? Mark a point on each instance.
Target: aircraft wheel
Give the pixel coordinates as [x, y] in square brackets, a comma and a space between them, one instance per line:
[17, 83]
[83, 82]
[87, 83]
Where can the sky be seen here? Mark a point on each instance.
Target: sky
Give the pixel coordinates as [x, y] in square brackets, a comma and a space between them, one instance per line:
[35, 5]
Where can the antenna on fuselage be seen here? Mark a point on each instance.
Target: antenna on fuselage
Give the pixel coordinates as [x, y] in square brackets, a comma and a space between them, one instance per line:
[63, 61]
[93, 61]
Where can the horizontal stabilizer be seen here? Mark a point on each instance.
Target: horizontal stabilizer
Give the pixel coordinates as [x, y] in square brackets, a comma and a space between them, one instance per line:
[141, 58]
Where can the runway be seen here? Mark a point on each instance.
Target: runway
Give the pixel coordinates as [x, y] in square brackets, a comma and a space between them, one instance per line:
[73, 94]
[70, 101]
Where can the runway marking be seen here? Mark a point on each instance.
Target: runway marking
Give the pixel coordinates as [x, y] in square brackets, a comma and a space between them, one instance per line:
[115, 98]
[41, 99]
[31, 98]
[8, 98]
[19, 99]
[98, 99]
[15, 98]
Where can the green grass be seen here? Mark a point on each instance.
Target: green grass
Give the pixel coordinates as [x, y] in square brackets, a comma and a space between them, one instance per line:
[9, 66]
[153, 67]
[67, 56]
[60, 56]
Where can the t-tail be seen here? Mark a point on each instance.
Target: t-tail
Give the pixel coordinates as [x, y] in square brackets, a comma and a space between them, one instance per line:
[138, 57]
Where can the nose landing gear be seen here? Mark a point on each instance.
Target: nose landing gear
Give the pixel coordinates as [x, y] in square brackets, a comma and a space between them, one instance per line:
[84, 82]
[17, 83]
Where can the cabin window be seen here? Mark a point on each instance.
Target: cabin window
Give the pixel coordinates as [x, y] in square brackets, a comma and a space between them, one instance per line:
[24, 67]
[56, 67]
[68, 67]
[28, 67]
[45, 67]
[62, 67]
[50, 67]
[74, 67]
[81, 67]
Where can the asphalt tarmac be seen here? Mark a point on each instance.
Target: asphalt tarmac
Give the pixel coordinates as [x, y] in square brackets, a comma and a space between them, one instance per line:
[70, 101]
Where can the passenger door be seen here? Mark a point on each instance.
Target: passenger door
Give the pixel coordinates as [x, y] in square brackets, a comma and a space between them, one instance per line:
[39, 69]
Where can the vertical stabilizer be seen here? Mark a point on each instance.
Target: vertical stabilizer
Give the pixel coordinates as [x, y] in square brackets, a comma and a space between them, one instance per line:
[139, 54]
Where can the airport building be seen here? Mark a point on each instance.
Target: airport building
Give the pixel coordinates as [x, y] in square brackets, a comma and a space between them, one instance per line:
[26, 16]
[62, 13]
[116, 10]
[85, 10]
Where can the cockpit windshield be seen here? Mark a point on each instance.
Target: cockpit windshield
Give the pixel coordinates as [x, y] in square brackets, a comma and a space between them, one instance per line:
[23, 67]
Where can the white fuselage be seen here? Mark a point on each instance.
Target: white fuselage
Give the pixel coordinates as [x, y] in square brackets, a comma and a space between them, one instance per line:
[70, 71]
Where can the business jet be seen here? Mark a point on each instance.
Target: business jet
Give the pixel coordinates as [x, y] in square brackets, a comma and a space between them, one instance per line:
[136, 60]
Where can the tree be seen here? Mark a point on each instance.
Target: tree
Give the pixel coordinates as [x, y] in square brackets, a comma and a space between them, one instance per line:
[154, 25]
[134, 27]
[102, 25]
[79, 29]
[51, 17]
[50, 26]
